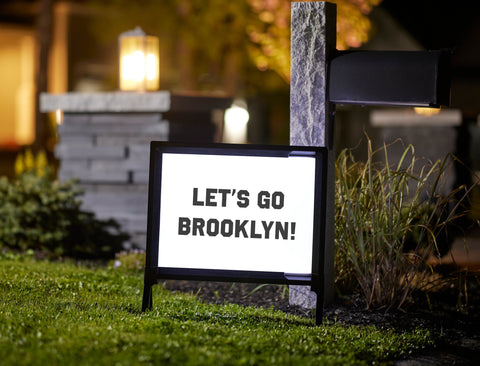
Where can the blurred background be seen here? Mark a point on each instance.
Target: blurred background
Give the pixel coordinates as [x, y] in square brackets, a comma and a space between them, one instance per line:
[232, 48]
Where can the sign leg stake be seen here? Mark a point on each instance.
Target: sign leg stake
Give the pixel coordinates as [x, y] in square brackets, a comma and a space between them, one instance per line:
[318, 288]
[319, 308]
[147, 301]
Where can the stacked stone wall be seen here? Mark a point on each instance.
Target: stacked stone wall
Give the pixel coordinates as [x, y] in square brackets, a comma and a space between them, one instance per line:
[108, 153]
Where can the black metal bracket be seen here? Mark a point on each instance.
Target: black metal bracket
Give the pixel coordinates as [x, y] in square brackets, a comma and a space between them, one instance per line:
[407, 78]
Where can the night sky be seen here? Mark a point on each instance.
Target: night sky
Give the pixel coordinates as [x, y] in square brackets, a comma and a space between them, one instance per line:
[436, 24]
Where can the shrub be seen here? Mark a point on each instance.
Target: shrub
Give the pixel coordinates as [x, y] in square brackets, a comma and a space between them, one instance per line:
[41, 214]
[389, 220]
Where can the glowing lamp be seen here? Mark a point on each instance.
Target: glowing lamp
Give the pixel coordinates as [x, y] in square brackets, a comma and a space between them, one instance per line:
[236, 120]
[427, 111]
[139, 61]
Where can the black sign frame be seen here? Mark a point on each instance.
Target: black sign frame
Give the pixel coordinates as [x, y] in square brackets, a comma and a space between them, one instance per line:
[153, 273]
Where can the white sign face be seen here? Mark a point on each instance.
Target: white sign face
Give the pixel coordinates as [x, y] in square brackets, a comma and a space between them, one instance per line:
[239, 213]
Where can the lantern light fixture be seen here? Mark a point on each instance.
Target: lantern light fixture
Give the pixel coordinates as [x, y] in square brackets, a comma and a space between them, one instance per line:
[139, 61]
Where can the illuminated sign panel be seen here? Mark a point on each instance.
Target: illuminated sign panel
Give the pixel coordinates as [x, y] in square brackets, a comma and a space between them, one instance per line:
[235, 213]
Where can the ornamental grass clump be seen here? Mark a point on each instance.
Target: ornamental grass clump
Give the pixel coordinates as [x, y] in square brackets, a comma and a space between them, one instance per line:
[390, 219]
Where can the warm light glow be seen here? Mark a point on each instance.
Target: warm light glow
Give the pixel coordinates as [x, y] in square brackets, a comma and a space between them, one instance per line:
[25, 94]
[151, 67]
[139, 62]
[236, 120]
[133, 66]
[17, 86]
[59, 116]
[426, 111]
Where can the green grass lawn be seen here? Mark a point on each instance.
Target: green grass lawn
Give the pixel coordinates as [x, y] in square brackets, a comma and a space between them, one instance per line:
[63, 314]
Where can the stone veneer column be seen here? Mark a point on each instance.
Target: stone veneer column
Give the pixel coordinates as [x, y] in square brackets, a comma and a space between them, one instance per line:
[313, 37]
[104, 142]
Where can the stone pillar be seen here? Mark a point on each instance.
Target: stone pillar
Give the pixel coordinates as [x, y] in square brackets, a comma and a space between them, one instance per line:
[104, 142]
[313, 37]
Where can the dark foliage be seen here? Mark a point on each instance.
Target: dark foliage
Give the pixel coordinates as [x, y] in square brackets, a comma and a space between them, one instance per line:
[39, 213]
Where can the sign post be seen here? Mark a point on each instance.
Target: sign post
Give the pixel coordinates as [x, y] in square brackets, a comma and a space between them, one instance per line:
[313, 38]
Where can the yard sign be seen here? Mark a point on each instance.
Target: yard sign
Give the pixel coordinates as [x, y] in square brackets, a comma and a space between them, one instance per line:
[242, 213]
